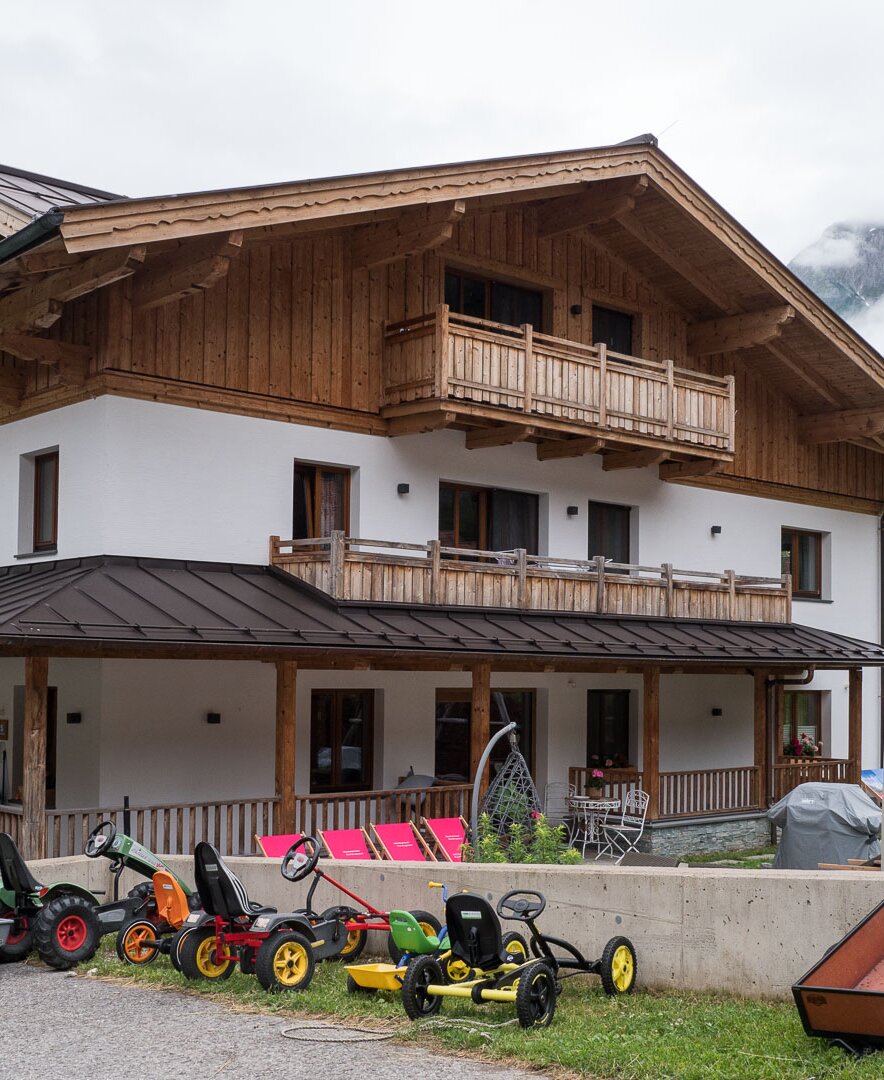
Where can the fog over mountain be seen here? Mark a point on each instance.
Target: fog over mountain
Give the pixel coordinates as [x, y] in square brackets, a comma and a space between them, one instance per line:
[845, 267]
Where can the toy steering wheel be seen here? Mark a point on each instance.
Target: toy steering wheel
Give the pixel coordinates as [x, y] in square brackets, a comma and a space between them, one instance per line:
[100, 839]
[521, 904]
[297, 864]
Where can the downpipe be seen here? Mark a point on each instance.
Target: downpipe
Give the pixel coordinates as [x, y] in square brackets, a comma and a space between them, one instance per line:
[773, 681]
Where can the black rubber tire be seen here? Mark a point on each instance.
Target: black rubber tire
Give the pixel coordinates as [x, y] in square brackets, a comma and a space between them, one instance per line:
[421, 971]
[618, 973]
[16, 951]
[189, 951]
[269, 956]
[423, 917]
[247, 959]
[175, 947]
[353, 987]
[355, 940]
[516, 945]
[536, 995]
[53, 919]
[139, 927]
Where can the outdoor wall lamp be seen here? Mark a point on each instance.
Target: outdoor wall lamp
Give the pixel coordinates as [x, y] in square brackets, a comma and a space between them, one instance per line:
[213, 718]
[572, 511]
[715, 530]
[402, 489]
[718, 712]
[74, 718]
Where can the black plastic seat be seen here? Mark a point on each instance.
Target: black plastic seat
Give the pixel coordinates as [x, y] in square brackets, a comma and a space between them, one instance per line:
[221, 891]
[14, 872]
[474, 931]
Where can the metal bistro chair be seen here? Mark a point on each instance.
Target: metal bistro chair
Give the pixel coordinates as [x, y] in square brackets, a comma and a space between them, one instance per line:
[622, 832]
[557, 797]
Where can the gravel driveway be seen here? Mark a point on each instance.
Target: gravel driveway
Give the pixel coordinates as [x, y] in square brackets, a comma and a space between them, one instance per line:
[60, 1027]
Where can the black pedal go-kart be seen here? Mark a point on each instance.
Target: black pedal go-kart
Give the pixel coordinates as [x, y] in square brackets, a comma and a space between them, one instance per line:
[280, 948]
[498, 974]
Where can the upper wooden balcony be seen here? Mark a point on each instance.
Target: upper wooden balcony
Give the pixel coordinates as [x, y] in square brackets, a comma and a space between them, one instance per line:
[389, 572]
[443, 368]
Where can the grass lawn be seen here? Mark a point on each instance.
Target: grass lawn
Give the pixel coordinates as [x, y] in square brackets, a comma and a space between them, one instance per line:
[645, 1036]
[744, 859]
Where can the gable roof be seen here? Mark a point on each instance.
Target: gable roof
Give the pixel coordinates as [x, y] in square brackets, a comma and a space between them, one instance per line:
[27, 195]
[105, 603]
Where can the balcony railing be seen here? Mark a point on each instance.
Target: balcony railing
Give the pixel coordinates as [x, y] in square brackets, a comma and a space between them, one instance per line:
[789, 774]
[348, 568]
[446, 358]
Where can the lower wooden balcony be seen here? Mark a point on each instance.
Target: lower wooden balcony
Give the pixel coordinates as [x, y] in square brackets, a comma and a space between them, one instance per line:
[349, 568]
[441, 368]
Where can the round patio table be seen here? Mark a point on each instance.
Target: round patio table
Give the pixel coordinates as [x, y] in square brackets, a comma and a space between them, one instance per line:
[588, 815]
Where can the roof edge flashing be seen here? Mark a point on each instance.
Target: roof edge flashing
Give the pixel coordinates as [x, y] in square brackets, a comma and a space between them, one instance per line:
[34, 233]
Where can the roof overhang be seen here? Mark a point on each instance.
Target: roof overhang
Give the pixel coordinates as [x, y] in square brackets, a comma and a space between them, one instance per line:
[122, 606]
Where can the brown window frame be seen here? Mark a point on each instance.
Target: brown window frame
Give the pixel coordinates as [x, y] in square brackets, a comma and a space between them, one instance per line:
[52, 543]
[791, 732]
[368, 766]
[314, 511]
[463, 695]
[794, 562]
[483, 512]
[489, 281]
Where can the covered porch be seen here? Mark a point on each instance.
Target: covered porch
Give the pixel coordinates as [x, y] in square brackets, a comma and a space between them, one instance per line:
[162, 635]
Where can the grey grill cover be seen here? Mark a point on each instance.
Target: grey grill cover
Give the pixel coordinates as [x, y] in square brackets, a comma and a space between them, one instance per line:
[825, 823]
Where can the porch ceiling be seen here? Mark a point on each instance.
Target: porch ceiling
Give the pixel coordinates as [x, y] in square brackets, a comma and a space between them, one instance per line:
[103, 604]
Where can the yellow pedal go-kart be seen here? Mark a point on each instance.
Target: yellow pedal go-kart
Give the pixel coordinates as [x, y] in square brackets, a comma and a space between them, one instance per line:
[493, 971]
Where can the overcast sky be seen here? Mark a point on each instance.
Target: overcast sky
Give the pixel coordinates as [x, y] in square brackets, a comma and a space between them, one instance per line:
[774, 107]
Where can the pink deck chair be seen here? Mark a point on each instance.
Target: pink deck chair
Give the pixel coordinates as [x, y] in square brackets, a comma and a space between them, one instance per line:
[274, 847]
[401, 842]
[449, 836]
[345, 844]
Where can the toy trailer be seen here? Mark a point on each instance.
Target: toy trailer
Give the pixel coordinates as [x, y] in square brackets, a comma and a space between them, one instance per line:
[842, 997]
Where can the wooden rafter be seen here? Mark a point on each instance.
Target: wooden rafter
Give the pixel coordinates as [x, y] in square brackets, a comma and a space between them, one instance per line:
[597, 203]
[12, 386]
[38, 305]
[738, 331]
[822, 386]
[411, 232]
[685, 470]
[190, 269]
[499, 436]
[420, 422]
[553, 450]
[70, 361]
[848, 425]
[665, 251]
[634, 459]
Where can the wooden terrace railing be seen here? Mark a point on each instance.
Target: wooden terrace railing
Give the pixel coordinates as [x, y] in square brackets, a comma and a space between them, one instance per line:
[349, 568]
[10, 821]
[789, 774]
[618, 782]
[709, 791]
[361, 808]
[448, 358]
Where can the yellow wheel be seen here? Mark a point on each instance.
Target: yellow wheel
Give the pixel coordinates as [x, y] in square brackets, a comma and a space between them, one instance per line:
[455, 970]
[355, 944]
[515, 946]
[285, 962]
[618, 966]
[135, 941]
[199, 953]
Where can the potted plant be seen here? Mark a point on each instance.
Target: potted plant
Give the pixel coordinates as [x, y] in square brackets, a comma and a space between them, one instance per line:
[802, 747]
[595, 783]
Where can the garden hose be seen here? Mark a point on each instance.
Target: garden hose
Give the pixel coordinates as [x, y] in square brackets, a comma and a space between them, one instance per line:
[335, 1034]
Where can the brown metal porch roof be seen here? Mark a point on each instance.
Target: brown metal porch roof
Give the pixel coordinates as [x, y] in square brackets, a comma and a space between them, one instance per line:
[104, 603]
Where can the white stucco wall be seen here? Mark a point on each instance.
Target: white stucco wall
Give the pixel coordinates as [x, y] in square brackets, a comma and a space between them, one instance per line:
[139, 478]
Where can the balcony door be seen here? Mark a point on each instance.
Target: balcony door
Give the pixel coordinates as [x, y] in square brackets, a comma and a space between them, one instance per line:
[487, 518]
[607, 727]
[612, 328]
[608, 528]
[499, 301]
[453, 723]
[341, 740]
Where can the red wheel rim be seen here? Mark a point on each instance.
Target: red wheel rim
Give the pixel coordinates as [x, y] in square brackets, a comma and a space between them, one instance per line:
[16, 936]
[71, 932]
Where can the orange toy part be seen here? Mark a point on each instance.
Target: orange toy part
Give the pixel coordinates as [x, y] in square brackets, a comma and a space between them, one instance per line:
[172, 904]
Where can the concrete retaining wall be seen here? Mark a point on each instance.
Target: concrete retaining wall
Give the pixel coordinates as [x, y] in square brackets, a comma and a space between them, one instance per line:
[745, 932]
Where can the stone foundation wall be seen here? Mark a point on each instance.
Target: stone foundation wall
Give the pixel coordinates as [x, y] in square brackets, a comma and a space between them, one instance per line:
[693, 838]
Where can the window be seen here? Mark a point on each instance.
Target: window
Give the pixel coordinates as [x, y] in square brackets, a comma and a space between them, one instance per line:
[321, 502]
[341, 740]
[607, 727]
[802, 557]
[614, 328]
[453, 722]
[487, 518]
[802, 715]
[46, 501]
[484, 298]
[608, 527]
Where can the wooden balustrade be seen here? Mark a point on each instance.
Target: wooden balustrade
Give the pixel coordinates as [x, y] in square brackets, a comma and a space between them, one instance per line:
[617, 784]
[789, 774]
[360, 808]
[10, 821]
[350, 568]
[450, 358]
[709, 791]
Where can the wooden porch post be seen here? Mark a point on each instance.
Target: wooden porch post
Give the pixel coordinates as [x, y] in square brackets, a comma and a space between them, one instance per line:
[761, 758]
[480, 718]
[855, 723]
[286, 687]
[651, 739]
[34, 776]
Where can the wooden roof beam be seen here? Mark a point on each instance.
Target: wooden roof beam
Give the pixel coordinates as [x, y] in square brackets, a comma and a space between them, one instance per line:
[192, 268]
[411, 232]
[686, 470]
[504, 435]
[12, 386]
[822, 386]
[567, 448]
[845, 426]
[597, 203]
[634, 459]
[38, 305]
[71, 362]
[738, 331]
[421, 422]
[665, 251]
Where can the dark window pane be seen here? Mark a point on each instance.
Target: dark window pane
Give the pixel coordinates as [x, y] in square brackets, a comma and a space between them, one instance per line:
[808, 563]
[468, 518]
[332, 506]
[608, 528]
[302, 503]
[607, 729]
[446, 514]
[508, 706]
[452, 290]
[512, 520]
[473, 297]
[516, 306]
[613, 328]
[453, 712]
[45, 500]
[800, 557]
[321, 741]
[341, 739]
[453, 739]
